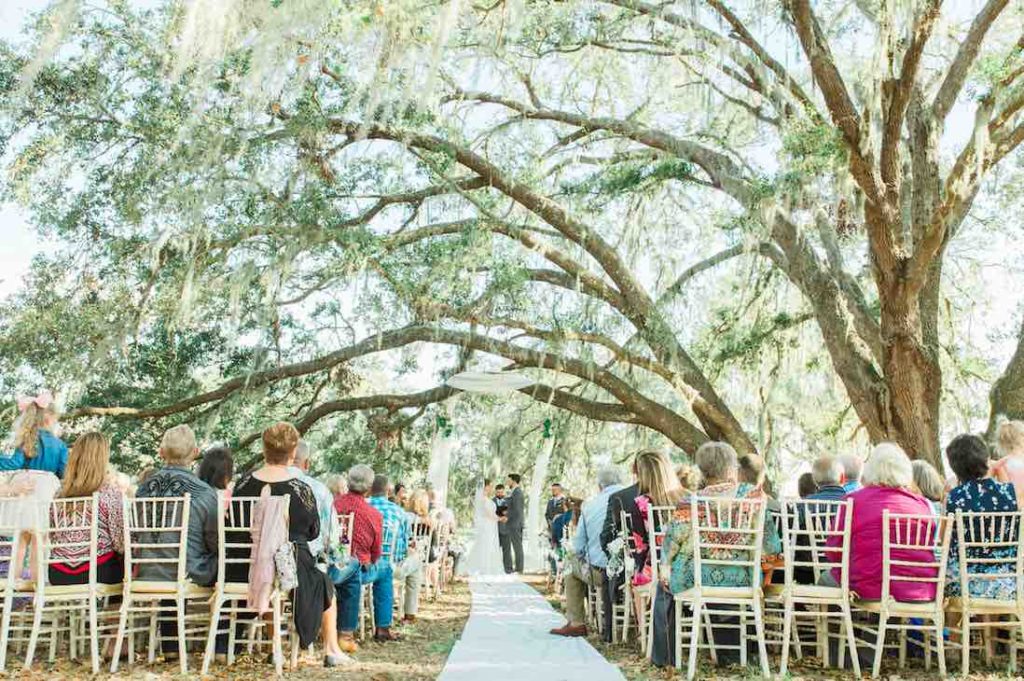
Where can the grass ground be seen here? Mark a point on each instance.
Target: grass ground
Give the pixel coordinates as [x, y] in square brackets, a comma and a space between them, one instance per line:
[635, 666]
[419, 656]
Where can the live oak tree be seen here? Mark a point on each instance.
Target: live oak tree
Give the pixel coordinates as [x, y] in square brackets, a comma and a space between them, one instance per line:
[543, 182]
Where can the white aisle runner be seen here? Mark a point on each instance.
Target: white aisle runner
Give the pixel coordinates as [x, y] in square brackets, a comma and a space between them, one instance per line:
[507, 633]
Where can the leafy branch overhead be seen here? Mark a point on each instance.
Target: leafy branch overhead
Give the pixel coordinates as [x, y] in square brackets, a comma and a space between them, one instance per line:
[642, 206]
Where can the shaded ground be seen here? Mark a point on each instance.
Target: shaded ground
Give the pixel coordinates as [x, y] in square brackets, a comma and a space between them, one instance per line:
[635, 667]
[419, 656]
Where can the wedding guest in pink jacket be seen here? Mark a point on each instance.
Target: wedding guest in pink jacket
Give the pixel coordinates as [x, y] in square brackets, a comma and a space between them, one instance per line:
[887, 479]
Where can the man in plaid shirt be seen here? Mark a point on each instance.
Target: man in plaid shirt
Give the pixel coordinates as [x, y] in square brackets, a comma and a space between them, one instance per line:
[396, 522]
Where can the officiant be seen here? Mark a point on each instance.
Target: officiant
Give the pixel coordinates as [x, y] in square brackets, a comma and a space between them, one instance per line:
[501, 508]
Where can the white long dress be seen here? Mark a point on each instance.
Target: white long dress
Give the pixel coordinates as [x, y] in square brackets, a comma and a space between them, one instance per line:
[485, 555]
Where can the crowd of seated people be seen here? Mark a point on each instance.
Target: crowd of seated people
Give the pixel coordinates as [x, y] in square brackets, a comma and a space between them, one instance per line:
[885, 480]
[327, 600]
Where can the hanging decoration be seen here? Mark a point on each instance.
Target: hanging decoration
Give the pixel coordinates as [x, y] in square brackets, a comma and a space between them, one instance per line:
[441, 446]
[535, 542]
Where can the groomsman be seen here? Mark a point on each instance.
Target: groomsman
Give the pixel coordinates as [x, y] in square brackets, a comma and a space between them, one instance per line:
[513, 522]
[554, 507]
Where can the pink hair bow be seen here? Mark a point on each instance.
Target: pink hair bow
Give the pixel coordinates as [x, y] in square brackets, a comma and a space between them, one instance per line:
[43, 400]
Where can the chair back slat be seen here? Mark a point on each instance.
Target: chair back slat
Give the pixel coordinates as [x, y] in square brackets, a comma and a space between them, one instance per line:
[73, 530]
[807, 526]
[657, 521]
[727, 532]
[234, 530]
[156, 533]
[388, 540]
[990, 546]
[914, 550]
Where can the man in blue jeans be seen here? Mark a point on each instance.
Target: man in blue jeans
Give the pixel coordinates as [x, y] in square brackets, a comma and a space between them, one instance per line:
[366, 549]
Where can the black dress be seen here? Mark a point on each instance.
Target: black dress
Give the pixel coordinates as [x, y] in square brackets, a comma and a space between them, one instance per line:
[314, 593]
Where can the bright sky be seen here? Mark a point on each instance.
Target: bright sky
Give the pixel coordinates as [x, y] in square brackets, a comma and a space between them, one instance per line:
[18, 242]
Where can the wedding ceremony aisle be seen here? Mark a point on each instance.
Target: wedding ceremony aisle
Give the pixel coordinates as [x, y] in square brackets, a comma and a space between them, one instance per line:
[508, 630]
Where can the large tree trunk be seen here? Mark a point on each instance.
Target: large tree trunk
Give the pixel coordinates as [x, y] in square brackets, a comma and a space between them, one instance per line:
[1007, 396]
[912, 374]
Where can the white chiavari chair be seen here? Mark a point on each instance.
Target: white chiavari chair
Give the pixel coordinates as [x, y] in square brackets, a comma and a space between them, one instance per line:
[366, 615]
[622, 608]
[231, 592]
[657, 520]
[726, 534]
[990, 549]
[807, 527]
[915, 549]
[10, 540]
[156, 538]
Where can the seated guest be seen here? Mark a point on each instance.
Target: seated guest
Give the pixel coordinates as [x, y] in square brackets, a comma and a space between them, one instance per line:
[887, 480]
[657, 485]
[417, 511]
[367, 551]
[805, 485]
[719, 466]
[338, 486]
[968, 457]
[852, 467]
[86, 474]
[216, 468]
[401, 494]
[178, 450]
[587, 557]
[404, 566]
[613, 530]
[928, 483]
[320, 545]
[828, 473]
[689, 477]
[313, 607]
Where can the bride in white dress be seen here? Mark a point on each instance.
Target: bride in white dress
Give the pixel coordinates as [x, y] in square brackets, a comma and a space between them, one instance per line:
[485, 555]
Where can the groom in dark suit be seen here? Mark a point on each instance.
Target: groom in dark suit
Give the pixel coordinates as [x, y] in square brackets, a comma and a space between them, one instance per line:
[512, 541]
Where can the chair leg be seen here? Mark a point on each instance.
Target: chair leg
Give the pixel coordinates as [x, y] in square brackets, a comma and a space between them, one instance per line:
[743, 635]
[851, 638]
[965, 643]
[154, 636]
[122, 624]
[787, 625]
[182, 644]
[677, 625]
[275, 641]
[691, 665]
[5, 631]
[94, 635]
[33, 639]
[903, 649]
[762, 649]
[940, 646]
[211, 639]
[821, 627]
[710, 634]
[879, 644]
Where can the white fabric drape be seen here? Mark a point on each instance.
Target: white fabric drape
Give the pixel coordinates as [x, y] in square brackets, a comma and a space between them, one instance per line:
[440, 460]
[534, 546]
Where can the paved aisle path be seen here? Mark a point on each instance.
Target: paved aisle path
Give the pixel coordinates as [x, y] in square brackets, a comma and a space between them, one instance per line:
[507, 634]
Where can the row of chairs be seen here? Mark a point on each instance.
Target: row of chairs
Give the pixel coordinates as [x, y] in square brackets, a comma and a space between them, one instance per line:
[728, 534]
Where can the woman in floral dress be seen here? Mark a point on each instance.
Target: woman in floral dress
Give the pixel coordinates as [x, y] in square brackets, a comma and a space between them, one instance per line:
[977, 492]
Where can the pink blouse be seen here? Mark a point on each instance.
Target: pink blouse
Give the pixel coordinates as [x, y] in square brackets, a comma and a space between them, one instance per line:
[866, 545]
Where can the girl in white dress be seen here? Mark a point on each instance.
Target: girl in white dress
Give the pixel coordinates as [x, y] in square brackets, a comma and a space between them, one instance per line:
[485, 556]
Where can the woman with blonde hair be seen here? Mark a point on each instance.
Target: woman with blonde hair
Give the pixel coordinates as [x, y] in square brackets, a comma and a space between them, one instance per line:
[1010, 467]
[35, 445]
[418, 511]
[87, 474]
[657, 485]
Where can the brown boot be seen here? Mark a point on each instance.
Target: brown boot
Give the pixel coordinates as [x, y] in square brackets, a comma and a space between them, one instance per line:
[571, 630]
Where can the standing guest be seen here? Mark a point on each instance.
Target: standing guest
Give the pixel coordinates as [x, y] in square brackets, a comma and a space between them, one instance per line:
[84, 476]
[320, 545]
[367, 549]
[313, 606]
[419, 512]
[977, 492]
[618, 503]
[588, 558]
[36, 446]
[1010, 446]
[828, 473]
[928, 483]
[805, 485]
[888, 477]
[178, 450]
[216, 468]
[514, 521]
[556, 503]
[852, 467]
